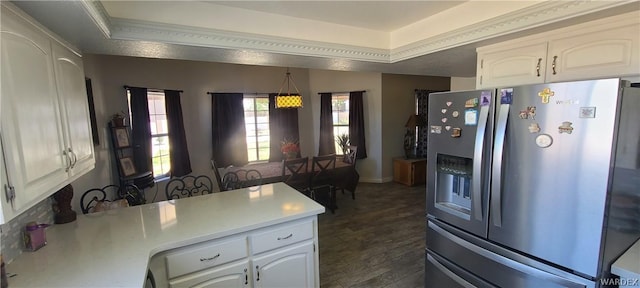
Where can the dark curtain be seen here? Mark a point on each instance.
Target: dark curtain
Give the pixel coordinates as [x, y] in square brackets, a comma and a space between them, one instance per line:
[228, 130]
[326, 145]
[422, 101]
[178, 153]
[356, 123]
[140, 129]
[283, 123]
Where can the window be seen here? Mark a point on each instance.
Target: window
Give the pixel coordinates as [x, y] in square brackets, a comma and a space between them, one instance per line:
[160, 158]
[340, 109]
[256, 119]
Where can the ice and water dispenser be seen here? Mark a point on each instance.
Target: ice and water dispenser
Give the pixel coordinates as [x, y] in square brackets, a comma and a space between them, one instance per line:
[453, 184]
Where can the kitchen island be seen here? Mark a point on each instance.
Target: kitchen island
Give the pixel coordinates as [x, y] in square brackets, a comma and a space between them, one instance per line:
[113, 248]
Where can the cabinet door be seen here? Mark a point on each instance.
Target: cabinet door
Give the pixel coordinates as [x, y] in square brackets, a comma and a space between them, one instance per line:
[31, 126]
[512, 65]
[609, 53]
[75, 109]
[288, 267]
[227, 276]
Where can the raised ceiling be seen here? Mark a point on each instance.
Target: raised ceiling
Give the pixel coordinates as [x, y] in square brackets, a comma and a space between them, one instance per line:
[405, 37]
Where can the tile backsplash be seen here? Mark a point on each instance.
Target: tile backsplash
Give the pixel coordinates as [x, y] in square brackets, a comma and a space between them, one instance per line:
[11, 243]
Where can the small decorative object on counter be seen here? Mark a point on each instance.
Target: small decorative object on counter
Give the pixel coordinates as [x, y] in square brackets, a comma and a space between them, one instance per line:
[62, 207]
[34, 236]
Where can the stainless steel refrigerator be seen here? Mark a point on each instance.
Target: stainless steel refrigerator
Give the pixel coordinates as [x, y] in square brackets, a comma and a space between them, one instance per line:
[532, 186]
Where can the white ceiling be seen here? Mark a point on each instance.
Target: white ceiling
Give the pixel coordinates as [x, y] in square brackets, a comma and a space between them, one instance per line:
[404, 37]
[384, 16]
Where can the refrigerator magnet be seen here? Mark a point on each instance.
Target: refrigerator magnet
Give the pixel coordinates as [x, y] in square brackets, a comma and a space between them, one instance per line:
[449, 103]
[544, 140]
[485, 98]
[545, 94]
[506, 96]
[447, 127]
[455, 114]
[528, 113]
[443, 111]
[436, 129]
[565, 127]
[534, 128]
[473, 102]
[587, 112]
[456, 133]
[444, 120]
[471, 117]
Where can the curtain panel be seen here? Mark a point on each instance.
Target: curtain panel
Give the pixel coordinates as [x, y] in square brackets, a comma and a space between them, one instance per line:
[178, 153]
[356, 123]
[422, 101]
[283, 124]
[229, 135]
[140, 129]
[326, 144]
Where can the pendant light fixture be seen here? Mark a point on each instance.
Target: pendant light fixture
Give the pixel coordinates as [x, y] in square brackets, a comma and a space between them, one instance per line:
[288, 100]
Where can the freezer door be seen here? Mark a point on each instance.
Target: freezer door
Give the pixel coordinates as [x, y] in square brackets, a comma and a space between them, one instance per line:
[491, 263]
[442, 273]
[458, 158]
[551, 165]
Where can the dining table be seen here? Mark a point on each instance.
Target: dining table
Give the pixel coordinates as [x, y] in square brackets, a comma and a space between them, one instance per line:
[344, 174]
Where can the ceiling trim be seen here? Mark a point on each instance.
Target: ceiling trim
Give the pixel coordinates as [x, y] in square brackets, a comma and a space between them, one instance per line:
[534, 16]
[99, 15]
[531, 17]
[127, 29]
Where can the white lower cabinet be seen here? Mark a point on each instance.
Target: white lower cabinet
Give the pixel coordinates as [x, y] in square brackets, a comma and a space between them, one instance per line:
[225, 276]
[289, 267]
[281, 256]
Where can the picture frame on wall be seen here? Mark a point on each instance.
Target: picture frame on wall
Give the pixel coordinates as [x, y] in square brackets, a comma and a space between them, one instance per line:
[127, 166]
[122, 137]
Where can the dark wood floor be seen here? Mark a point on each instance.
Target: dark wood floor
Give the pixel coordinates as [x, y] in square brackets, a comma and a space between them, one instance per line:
[376, 240]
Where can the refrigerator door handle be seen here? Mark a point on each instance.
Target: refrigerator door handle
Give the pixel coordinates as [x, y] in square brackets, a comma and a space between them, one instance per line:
[477, 163]
[496, 171]
[449, 273]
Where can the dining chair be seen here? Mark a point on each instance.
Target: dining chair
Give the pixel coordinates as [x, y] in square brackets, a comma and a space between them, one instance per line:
[349, 158]
[322, 179]
[216, 173]
[295, 173]
[109, 197]
[188, 186]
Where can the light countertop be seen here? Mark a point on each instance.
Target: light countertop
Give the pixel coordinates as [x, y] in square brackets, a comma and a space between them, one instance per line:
[628, 265]
[112, 248]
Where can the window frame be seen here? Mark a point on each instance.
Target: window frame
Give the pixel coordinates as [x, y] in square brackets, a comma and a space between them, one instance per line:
[256, 144]
[335, 97]
[155, 93]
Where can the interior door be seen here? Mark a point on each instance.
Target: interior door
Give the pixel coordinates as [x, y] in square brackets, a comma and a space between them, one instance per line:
[458, 153]
[551, 163]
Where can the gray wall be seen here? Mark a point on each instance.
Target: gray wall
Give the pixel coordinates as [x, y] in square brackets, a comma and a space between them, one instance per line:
[382, 106]
[398, 103]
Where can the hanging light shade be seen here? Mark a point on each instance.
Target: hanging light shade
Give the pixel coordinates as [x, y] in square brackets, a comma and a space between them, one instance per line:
[288, 100]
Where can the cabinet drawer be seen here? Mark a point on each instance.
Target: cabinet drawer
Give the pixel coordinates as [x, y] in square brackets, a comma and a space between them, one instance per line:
[205, 255]
[281, 236]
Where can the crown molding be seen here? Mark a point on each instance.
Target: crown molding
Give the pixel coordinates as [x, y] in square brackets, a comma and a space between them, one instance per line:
[127, 29]
[531, 17]
[544, 13]
[99, 15]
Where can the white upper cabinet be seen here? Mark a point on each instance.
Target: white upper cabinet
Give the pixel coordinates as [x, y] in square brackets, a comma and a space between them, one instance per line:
[42, 137]
[603, 48]
[75, 109]
[513, 64]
